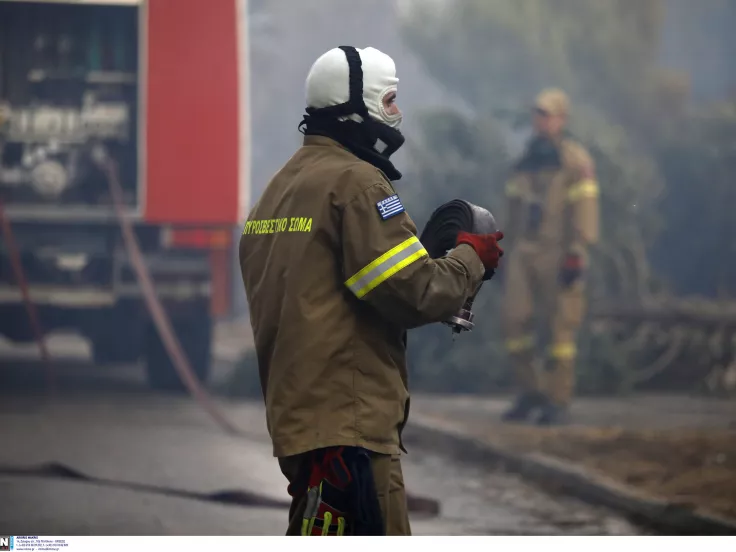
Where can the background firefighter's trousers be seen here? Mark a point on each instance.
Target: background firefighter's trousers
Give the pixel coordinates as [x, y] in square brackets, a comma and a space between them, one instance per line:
[389, 482]
[533, 292]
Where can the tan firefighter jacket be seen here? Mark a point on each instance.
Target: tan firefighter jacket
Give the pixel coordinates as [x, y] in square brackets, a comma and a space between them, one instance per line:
[334, 275]
[565, 200]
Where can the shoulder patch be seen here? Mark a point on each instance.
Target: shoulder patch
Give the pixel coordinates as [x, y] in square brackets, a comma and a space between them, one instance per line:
[389, 207]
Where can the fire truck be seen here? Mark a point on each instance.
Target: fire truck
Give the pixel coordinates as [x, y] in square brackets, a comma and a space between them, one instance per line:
[162, 86]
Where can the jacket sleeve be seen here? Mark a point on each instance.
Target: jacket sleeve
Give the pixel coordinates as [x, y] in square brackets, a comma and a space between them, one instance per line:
[583, 199]
[385, 265]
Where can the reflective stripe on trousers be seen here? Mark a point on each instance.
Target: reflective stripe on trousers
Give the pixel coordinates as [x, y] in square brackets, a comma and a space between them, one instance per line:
[520, 344]
[563, 351]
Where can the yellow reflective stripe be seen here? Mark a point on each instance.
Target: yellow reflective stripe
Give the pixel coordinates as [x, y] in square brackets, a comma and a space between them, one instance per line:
[587, 188]
[386, 266]
[326, 523]
[520, 344]
[563, 351]
[512, 189]
[311, 509]
[340, 526]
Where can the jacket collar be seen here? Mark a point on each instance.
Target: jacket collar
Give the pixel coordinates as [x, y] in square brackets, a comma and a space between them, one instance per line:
[314, 140]
[386, 168]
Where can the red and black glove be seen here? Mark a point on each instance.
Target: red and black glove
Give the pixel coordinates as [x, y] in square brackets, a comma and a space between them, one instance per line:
[487, 248]
[571, 269]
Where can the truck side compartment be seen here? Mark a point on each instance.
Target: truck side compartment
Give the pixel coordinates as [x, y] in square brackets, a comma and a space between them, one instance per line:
[157, 85]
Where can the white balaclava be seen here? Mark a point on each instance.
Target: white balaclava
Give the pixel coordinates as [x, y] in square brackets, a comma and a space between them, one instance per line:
[328, 83]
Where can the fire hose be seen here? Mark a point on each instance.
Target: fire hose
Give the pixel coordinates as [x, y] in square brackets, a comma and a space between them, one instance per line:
[33, 318]
[440, 235]
[153, 304]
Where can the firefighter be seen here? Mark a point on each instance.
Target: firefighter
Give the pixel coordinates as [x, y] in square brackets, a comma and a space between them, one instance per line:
[334, 275]
[552, 221]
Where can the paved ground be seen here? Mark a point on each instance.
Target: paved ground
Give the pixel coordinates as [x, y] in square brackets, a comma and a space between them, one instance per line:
[105, 424]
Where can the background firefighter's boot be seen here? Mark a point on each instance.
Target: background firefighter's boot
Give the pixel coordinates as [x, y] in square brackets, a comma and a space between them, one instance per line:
[558, 384]
[523, 407]
[526, 372]
[553, 415]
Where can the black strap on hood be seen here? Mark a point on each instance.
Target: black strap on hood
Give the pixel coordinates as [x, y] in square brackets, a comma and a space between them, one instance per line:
[359, 138]
[355, 104]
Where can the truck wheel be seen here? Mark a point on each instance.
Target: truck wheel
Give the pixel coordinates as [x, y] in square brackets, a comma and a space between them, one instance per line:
[116, 334]
[194, 331]
[110, 351]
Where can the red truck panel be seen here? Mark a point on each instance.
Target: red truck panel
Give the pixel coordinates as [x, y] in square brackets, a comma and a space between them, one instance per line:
[192, 100]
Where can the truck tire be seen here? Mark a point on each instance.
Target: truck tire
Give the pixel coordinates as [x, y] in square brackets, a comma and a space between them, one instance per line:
[112, 351]
[194, 330]
[116, 335]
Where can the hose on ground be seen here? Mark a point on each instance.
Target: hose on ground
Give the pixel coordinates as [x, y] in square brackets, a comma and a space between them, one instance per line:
[152, 302]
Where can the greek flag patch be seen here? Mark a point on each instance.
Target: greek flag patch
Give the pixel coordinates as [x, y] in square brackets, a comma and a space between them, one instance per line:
[389, 207]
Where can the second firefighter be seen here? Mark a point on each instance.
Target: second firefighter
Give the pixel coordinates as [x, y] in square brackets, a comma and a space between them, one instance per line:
[552, 220]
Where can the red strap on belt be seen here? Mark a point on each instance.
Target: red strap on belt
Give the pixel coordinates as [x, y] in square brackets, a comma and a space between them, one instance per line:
[328, 482]
[329, 464]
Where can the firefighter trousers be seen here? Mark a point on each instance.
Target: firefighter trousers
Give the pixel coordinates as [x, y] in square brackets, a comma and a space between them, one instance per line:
[389, 483]
[536, 305]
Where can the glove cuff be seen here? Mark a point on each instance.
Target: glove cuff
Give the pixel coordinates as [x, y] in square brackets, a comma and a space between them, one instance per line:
[468, 239]
[573, 261]
[485, 247]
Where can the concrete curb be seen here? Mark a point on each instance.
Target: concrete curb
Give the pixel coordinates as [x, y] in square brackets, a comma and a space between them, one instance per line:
[571, 479]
